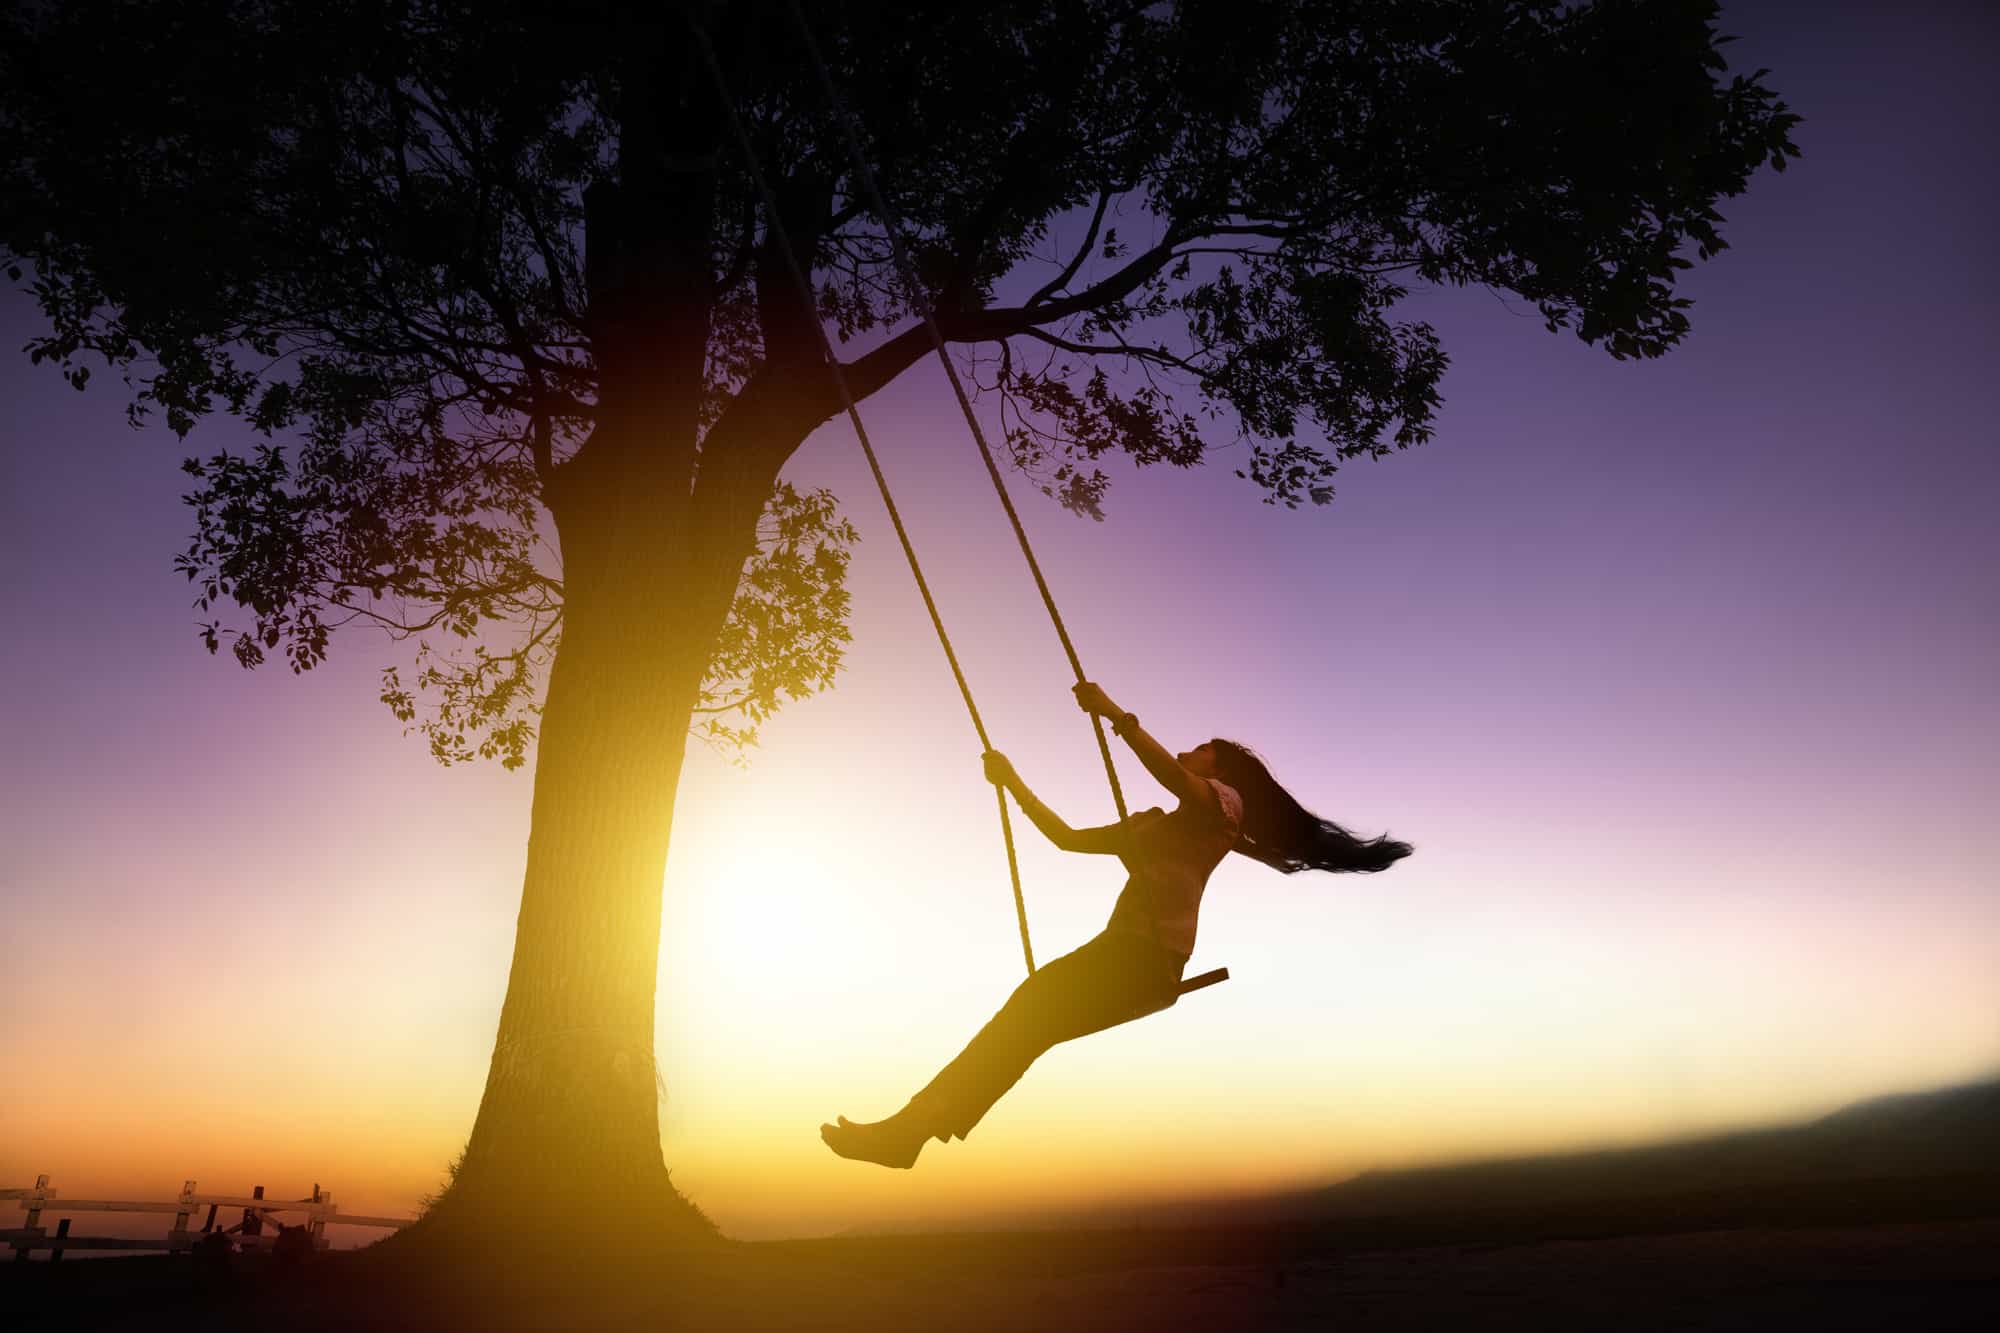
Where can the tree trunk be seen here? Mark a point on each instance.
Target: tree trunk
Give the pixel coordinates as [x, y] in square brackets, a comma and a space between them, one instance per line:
[569, 1119]
[568, 1125]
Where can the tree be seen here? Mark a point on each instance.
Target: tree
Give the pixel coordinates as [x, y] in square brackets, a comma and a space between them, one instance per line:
[496, 286]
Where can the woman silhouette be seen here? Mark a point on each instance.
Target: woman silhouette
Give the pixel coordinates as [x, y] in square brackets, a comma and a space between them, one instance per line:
[1227, 801]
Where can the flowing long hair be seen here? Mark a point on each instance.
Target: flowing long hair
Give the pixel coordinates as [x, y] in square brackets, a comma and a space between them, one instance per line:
[1286, 836]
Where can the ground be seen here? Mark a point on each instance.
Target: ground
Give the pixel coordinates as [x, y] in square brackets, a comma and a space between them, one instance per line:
[1903, 1276]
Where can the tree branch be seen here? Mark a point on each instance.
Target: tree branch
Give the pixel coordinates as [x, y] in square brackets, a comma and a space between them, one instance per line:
[1158, 355]
[1076, 261]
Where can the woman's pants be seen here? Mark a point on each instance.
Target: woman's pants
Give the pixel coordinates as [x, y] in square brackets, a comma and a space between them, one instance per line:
[1116, 977]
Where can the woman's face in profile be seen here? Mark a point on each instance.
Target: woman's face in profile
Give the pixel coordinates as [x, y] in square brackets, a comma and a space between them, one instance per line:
[1200, 761]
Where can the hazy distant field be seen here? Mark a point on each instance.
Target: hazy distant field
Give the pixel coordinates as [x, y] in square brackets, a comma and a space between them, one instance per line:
[1911, 1276]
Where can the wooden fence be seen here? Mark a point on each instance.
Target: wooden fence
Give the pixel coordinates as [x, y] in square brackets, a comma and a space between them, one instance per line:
[250, 1233]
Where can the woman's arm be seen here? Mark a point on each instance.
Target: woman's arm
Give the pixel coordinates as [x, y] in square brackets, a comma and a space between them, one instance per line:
[1000, 772]
[1166, 769]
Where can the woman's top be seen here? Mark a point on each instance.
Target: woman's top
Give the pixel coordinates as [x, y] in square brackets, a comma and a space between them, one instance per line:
[1170, 857]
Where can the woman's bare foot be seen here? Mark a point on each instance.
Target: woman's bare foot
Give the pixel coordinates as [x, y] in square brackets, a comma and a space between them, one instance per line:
[886, 1142]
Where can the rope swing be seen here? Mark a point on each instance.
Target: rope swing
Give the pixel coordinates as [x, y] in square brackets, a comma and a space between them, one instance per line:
[892, 224]
[913, 291]
[833, 365]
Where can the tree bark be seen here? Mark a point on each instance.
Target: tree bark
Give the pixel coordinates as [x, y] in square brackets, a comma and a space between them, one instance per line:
[570, 1108]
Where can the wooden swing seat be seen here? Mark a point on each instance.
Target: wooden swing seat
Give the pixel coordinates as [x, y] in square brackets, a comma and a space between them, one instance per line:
[1205, 979]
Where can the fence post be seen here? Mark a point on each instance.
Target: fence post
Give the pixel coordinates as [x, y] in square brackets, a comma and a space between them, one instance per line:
[33, 1204]
[178, 1238]
[317, 1222]
[253, 1220]
[55, 1251]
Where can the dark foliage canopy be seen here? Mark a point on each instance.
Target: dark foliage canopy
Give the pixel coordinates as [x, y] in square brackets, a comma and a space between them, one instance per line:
[433, 249]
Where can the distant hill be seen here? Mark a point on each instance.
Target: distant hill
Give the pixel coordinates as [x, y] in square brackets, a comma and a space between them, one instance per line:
[1950, 1132]
[1928, 1156]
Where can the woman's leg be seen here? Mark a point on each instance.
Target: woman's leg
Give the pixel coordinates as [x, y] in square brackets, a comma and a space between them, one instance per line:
[1114, 978]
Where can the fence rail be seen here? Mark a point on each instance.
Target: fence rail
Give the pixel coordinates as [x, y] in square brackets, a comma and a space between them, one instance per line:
[319, 1212]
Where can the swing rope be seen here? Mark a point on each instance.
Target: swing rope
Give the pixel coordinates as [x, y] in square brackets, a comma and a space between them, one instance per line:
[891, 224]
[833, 364]
[914, 292]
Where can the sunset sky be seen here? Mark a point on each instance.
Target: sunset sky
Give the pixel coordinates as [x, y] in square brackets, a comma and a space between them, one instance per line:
[1679, 675]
